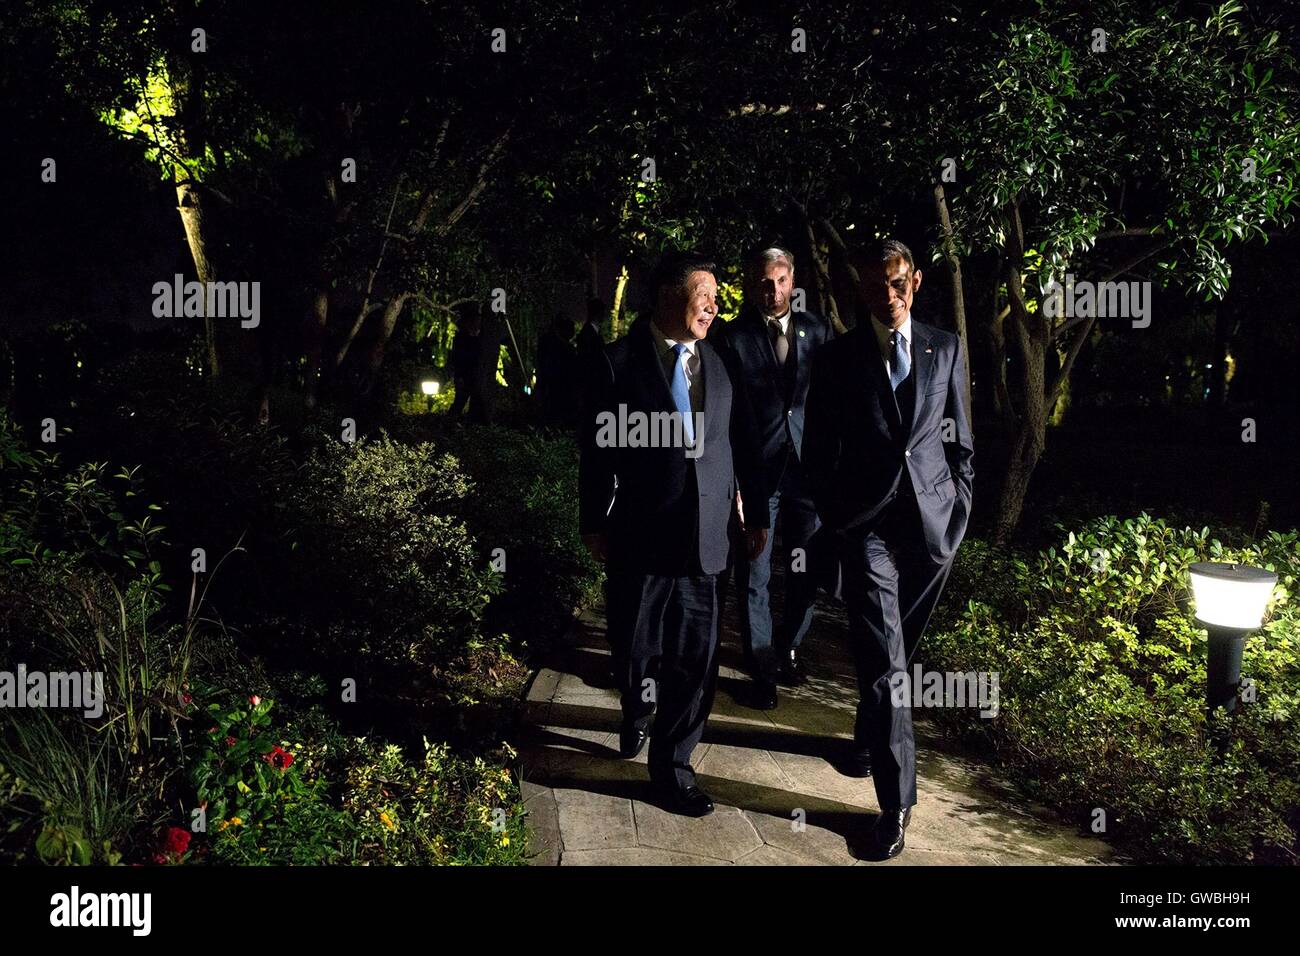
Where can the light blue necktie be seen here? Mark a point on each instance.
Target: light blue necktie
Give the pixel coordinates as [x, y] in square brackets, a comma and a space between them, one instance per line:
[900, 363]
[682, 394]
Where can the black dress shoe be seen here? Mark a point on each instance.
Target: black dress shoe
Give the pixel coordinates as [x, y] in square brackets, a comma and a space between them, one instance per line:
[688, 801]
[631, 741]
[764, 695]
[855, 763]
[792, 672]
[887, 837]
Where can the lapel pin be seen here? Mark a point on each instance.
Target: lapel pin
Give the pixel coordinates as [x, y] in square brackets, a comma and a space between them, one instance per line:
[802, 333]
[928, 351]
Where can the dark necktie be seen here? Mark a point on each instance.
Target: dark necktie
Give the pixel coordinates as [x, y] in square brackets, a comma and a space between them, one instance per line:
[780, 344]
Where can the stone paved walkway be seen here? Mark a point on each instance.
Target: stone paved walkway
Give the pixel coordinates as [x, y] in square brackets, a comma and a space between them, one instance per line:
[586, 806]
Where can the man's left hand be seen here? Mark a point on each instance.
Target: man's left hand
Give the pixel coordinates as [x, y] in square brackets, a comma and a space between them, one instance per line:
[755, 542]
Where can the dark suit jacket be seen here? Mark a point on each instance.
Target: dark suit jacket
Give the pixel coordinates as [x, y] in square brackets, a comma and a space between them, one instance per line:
[557, 382]
[857, 451]
[589, 344]
[778, 395]
[665, 513]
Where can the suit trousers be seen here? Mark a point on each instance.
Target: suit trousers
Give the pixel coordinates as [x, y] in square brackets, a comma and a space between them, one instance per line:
[792, 508]
[891, 586]
[663, 632]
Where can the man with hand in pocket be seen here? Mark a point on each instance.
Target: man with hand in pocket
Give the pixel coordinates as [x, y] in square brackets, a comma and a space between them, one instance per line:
[894, 496]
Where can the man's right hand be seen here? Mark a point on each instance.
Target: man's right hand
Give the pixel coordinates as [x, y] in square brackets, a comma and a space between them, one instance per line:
[597, 546]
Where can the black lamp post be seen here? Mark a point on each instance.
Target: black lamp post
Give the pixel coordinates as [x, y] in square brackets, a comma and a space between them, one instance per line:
[1230, 601]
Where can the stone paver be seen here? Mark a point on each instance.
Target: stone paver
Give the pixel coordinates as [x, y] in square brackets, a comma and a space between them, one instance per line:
[780, 801]
[544, 845]
[807, 844]
[594, 821]
[725, 835]
[636, 856]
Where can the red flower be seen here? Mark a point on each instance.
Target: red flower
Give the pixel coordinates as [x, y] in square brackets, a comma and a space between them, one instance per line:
[172, 846]
[186, 698]
[230, 741]
[279, 758]
[175, 840]
[254, 700]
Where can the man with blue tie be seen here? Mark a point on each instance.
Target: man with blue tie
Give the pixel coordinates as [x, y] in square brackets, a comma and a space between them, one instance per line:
[657, 512]
[775, 344]
[888, 451]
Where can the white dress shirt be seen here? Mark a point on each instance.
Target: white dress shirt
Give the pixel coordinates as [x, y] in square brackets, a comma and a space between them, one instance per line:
[882, 338]
[691, 360]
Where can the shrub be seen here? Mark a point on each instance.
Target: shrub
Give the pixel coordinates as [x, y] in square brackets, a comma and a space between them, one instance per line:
[366, 551]
[221, 479]
[1102, 686]
[263, 804]
[381, 561]
[443, 809]
[522, 500]
[80, 591]
[311, 795]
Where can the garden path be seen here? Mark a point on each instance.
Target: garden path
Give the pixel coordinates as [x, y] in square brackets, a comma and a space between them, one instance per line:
[586, 806]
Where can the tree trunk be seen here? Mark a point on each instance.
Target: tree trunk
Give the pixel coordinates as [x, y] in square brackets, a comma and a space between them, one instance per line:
[375, 355]
[1003, 410]
[339, 135]
[425, 207]
[616, 310]
[1218, 391]
[1026, 450]
[190, 206]
[185, 78]
[1030, 436]
[821, 274]
[840, 255]
[487, 394]
[314, 332]
[955, 289]
[1033, 338]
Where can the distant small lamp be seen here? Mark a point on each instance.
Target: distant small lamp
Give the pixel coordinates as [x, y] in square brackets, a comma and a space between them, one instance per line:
[1230, 601]
[430, 388]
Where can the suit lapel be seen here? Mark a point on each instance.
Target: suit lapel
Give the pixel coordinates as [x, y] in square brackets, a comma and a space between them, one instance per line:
[648, 348]
[796, 326]
[922, 367]
[713, 375]
[876, 371]
[762, 339]
[798, 332]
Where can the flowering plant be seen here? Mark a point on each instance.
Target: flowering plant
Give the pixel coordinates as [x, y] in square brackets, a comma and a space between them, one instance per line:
[173, 846]
[243, 773]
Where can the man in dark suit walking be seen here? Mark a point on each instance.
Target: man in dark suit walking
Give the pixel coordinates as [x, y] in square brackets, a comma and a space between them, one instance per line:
[590, 344]
[774, 345]
[556, 388]
[895, 495]
[590, 341]
[655, 504]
